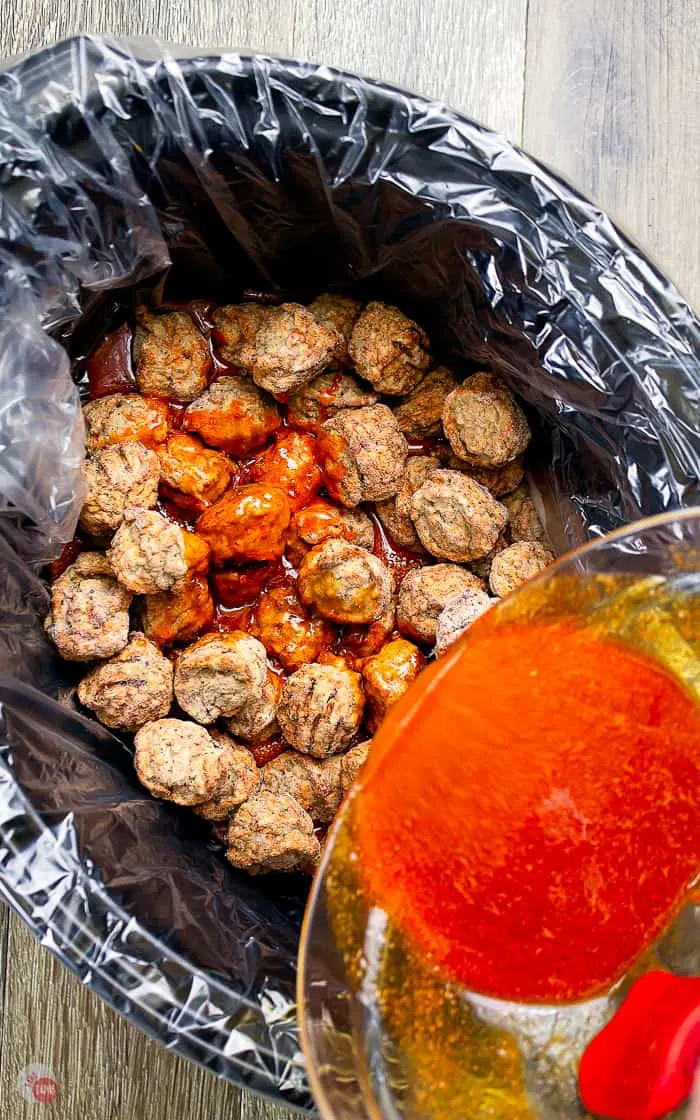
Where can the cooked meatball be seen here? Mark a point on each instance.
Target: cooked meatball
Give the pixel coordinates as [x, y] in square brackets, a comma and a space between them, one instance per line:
[395, 513]
[497, 480]
[320, 709]
[423, 595]
[339, 312]
[291, 347]
[457, 616]
[149, 553]
[243, 780]
[130, 689]
[123, 416]
[271, 832]
[351, 765]
[516, 564]
[117, 477]
[315, 785]
[291, 465]
[484, 423]
[362, 454]
[235, 330]
[327, 394]
[171, 356]
[525, 524]
[345, 583]
[364, 641]
[256, 720]
[388, 349]
[180, 761]
[387, 676]
[192, 475]
[89, 614]
[456, 518]
[218, 674]
[233, 415]
[419, 415]
[178, 615]
[247, 524]
[321, 520]
[287, 629]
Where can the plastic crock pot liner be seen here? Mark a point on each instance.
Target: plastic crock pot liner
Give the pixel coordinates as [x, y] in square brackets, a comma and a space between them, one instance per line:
[122, 167]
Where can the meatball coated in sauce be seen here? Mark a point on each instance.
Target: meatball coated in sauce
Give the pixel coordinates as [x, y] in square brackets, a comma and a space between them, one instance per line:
[320, 709]
[525, 524]
[171, 356]
[180, 761]
[423, 595]
[457, 616]
[517, 564]
[388, 349]
[192, 475]
[484, 423]
[256, 720]
[291, 347]
[132, 688]
[122, 416]
[291, 465]
[321, 520]
[117, 478]
[89, 616]
[150, 554]
[339, 312]
[362, 455]
[316, 786]
[235, 329]
[327, 394]
[271, 832]
[233, 415]
[288, 630]
[419, 415]
[178, 615]
[247, 524]
[395, 514]
[351, 765]
[345, 583]
[218, 674]
[456, 518]
[243, 780]
[388, 674]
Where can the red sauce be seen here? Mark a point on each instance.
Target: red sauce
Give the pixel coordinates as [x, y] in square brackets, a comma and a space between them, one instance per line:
[109, 366]
[69, 554]
[428, 446]
[242, 587]
[399, 560]
[186, 519]
[175, 414]
[227, 619]
[265, 752]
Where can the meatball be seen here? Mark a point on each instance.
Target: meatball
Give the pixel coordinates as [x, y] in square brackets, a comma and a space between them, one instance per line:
[257, 719]
[497, 480]
[89, 614]
[388, 674]
[271, 832]
[178, 615]
[123, 416]
[482, 566]
[287, 630]
[233, 415]
[149, 553]
[291, 347]
[247, 524]
[339, 312]
[327, 394]
[345, 583]
[320, 709]
[171, 356]
[315, 785]
[395, 513]
[517, 564]
[322, 520]
[351, 765]
[423, 595]
[525, 524]
[235, 330]
[131, 689]
[242, 782]
[419, 416]
[484, 423]
[388, 349]
[180, 761]
[218, 674]
[456, 518]
[291, 465]
[117, 477]
[362, 454]
[192, 475]
[457, 616]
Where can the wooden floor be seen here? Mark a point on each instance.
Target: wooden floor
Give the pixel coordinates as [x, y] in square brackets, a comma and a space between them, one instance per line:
[606, 91]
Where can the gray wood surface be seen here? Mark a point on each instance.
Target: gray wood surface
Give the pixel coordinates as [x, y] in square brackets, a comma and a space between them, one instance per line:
[607, 91]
